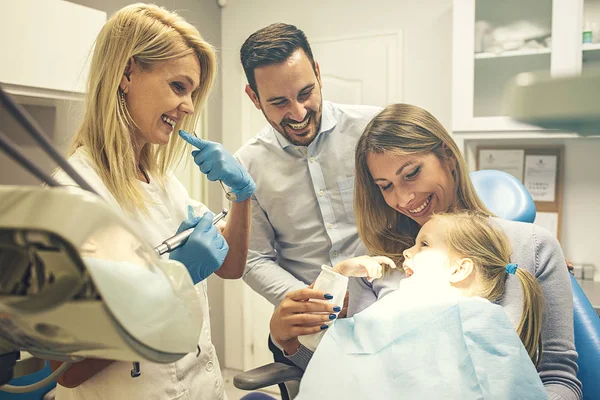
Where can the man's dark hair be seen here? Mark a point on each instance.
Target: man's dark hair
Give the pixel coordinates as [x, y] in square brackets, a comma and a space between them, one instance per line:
[272, 45]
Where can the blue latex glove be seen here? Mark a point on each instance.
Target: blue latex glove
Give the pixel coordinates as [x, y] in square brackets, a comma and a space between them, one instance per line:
[205, 250]
[216, 162]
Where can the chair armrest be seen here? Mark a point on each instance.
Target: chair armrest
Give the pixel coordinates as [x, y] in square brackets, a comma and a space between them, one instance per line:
[267, 375]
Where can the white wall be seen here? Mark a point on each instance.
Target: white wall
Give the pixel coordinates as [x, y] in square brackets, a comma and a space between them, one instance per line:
[581, 220]
[10, 172]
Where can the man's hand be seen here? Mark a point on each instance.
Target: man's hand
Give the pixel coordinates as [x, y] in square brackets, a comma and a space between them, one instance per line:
[296, 316]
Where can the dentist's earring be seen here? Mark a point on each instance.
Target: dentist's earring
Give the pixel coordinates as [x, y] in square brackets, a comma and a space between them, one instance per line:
[122, 95]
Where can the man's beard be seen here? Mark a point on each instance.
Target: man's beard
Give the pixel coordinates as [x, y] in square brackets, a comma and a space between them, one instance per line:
[314, 126]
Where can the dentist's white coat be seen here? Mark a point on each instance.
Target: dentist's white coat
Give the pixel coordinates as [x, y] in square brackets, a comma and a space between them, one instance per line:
[190, 378]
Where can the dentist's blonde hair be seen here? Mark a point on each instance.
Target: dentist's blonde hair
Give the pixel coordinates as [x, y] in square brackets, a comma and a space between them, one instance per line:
[471, 235]
[147, 34]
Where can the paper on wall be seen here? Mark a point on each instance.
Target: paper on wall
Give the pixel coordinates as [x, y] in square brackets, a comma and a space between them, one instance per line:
[540, 177]
[509, 161]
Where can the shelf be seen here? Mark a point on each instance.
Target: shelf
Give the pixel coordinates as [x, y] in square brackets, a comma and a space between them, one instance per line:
[591, 52]
[512, 53]
[590, 46]
[545, 135]
[41, 96]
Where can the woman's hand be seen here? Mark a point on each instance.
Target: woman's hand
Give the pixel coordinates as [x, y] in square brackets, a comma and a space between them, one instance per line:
[295, 316]
[205, 249]
[364, 267]
[216, 162]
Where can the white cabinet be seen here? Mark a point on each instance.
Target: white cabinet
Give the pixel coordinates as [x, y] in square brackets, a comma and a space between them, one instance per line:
[46, 46]
[590, 54]
[496, 40]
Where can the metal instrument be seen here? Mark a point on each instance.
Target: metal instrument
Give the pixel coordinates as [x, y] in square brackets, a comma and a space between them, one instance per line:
[177, 240]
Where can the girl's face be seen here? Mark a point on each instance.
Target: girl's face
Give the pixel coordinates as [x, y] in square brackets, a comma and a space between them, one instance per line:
[428, 261]
[414, 185]
[158, 98]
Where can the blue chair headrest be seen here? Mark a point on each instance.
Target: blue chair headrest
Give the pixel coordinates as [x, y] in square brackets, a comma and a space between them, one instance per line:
[504, 195]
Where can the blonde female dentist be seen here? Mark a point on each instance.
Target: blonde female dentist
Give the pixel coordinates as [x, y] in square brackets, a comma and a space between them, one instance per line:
[150, 74]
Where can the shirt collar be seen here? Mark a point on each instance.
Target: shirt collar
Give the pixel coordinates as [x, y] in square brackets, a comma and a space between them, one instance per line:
[328, 123]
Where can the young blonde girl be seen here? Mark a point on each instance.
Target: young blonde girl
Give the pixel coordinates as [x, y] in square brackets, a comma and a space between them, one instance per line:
[481, 254]
[439, 335]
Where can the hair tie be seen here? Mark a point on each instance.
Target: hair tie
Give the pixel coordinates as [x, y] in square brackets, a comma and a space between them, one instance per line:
[511, 268]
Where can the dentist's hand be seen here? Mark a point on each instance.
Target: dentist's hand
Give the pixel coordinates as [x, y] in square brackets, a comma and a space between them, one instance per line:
[364, 266]
[204, 251]
[216, 162]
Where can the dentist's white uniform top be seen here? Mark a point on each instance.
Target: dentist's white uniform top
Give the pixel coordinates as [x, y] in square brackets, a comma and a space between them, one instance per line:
[190, 378]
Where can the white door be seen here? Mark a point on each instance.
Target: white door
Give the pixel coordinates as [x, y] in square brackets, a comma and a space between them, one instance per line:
[355, 70]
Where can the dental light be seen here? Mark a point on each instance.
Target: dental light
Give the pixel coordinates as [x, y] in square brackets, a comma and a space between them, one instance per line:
[561, 104]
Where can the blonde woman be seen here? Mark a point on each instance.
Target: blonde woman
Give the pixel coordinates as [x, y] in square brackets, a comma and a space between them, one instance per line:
[150, 74]
[438, 335]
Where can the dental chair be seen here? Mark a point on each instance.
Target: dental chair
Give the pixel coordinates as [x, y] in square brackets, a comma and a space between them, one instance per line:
[506, 197]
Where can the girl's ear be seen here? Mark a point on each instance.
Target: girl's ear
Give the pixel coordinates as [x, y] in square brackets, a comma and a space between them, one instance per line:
[462, 271]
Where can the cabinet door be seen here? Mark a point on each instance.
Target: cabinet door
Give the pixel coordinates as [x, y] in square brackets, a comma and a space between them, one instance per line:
[590, 35]
[493, 42]
[46, 45]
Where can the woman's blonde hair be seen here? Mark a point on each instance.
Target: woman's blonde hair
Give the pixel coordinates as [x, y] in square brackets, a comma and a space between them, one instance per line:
[402, 129]
[471, 235]
[148, 34]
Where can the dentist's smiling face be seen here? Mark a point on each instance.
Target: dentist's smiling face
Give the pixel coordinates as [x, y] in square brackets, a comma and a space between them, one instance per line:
[289, 95]
[414, 185]
[159, 97]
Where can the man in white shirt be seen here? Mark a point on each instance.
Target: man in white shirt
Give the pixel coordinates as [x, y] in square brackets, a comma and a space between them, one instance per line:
[303, 166]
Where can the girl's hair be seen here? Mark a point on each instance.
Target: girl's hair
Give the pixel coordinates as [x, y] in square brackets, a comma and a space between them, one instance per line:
[402, 129]
[471, 235]
[148, 34]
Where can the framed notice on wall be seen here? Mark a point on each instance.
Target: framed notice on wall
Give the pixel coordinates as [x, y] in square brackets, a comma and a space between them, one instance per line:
[540, 169]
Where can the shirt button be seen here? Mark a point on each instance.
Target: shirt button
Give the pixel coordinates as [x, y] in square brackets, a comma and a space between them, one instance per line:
[312, 159]
[321, 193]
[210, 366]
[335, 254]
[329, 226]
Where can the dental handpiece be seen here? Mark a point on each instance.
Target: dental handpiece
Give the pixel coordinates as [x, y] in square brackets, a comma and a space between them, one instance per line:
[176, 241]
